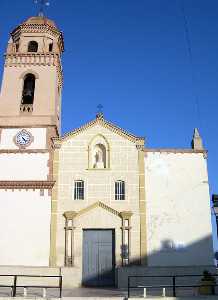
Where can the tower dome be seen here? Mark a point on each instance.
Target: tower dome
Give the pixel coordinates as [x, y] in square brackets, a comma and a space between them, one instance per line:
[40, 20]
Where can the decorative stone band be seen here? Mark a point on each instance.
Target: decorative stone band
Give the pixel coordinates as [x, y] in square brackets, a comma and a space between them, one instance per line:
[106, 124]
[177, 150]
[23, 151]
[39, 28]
[35, 59]
[26, 108]
[22, 184]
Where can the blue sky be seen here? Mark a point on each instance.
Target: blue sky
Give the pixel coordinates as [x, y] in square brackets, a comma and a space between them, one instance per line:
[132, 57]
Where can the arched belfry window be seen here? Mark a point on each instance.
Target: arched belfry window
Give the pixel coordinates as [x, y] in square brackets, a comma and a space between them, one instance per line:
[98, 150]
[28, 89]
[50, 47]
[32, 46]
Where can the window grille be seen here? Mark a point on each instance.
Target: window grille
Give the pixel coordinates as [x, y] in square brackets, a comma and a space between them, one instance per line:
[79, 190]
[119, 190]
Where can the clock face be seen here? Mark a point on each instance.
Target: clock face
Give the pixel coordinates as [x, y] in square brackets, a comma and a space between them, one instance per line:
[23, 138]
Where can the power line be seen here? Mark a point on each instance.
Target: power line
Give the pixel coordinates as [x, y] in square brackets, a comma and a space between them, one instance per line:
[191, 61]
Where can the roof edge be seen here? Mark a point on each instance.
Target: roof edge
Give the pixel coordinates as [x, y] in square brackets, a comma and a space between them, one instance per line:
[106, 124]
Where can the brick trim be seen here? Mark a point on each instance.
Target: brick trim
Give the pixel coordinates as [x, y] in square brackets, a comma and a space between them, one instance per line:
[22, 184]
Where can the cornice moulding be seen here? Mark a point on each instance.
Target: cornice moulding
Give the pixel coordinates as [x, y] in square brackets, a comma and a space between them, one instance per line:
[174, 150]
[106, 124]
[25, 184]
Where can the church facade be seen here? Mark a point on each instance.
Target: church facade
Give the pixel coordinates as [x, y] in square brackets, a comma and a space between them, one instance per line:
[95, 201]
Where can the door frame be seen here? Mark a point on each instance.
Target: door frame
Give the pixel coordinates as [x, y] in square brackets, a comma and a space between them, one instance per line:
[113, 250]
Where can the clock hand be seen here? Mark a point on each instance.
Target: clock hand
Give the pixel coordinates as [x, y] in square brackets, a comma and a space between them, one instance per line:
[23, 139]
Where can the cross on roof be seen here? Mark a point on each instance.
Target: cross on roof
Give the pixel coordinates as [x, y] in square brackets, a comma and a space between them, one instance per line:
[100, 111]
[42, 4]
[100, 108]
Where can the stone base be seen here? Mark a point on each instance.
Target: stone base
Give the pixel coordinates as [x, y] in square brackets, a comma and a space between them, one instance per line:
[72, 277]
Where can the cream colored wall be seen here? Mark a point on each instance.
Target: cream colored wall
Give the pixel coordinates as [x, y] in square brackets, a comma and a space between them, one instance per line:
[99, 186]
[45, 90]
[24, 228]
[178, 209]
[7, 138]
[24, 166]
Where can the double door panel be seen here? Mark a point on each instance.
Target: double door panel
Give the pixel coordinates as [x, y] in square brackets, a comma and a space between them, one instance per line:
[98, 257]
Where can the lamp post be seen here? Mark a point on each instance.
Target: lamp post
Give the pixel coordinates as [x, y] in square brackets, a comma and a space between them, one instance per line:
[215, 207]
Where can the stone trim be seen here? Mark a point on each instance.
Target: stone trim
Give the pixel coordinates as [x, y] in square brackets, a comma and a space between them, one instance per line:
[142, 208]
[23, 151]
[95, 205]
[70, 215]
[105, 124]
[25, 184]
[126, 214]
[54, 212]
[50, 131]
[126, 240]
[174, 150]
[69, 238]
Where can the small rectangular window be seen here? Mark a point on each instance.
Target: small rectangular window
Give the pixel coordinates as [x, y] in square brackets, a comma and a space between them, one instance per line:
[119, 190]
[79, 190]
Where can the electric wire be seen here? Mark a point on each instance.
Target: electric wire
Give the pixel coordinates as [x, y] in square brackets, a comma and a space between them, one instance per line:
[191, 61]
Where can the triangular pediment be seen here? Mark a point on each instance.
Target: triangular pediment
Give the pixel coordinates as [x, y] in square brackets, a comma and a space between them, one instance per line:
[106, 124]
[95, 205]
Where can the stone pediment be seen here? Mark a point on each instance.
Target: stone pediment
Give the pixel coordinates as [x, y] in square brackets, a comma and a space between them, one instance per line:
[104, 123]
[99, 204]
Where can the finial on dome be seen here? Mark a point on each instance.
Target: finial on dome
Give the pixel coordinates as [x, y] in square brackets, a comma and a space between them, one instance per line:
[197, 143]
[42, 4]
[100, 114]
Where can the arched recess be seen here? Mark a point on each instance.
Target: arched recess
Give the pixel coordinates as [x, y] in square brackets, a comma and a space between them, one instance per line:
[28, 89]
[32, 46]
[29, 71]
[98, 153]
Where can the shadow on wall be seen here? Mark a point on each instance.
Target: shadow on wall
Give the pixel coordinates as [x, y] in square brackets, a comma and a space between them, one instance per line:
[170, 260]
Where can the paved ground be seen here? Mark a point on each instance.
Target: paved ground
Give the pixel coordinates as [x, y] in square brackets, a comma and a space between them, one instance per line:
[75, 292]
[96, 293]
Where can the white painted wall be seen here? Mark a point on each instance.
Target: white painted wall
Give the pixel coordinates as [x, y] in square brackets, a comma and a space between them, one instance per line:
[7, 138]
[24, 166]
[178, 209]
[24, 228]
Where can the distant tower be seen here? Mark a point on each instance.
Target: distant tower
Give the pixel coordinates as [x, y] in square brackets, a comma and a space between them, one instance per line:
[197, 143]
[30, 106]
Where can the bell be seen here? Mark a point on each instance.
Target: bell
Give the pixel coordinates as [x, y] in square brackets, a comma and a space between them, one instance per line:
[27, 93]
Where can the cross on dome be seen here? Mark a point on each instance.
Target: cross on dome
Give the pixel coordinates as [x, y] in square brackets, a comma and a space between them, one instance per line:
[42, 4]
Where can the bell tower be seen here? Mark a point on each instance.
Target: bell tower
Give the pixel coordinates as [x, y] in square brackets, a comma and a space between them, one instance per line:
[30, 106]
[32, 78]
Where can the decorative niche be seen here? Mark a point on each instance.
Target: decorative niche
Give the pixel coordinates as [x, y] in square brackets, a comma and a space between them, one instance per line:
[98, 153]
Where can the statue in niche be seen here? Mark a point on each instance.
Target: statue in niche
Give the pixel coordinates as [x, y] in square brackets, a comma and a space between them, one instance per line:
[98, 158]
